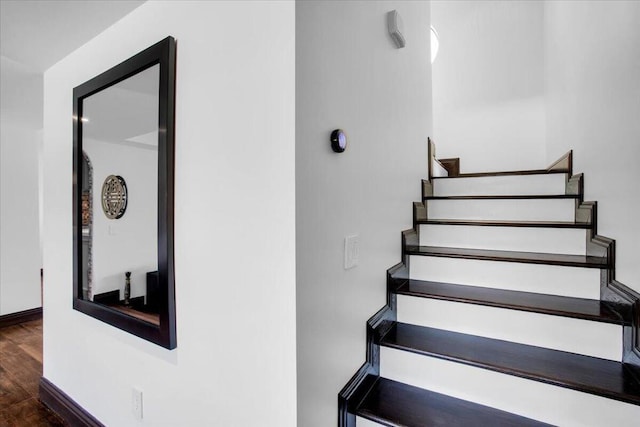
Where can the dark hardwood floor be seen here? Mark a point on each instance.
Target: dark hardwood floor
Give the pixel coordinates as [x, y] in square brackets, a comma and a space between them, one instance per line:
[20, 372]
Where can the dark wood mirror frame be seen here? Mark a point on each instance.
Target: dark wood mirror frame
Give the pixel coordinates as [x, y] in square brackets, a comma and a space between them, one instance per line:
[164, 54]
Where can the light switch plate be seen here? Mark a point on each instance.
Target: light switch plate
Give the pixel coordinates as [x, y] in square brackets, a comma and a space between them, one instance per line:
[351, 251]
[136, 403]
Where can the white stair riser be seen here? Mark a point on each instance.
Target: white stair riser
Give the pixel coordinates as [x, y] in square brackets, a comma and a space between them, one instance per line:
[540, 278]
[501, 185]
[528, 398]
[526, 239]
[502, 209]
[587, 337]
[363, 422]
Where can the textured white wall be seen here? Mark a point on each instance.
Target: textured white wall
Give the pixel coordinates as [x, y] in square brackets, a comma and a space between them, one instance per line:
[349, 75]
[20, 139]
[234, 225]
[488, 84]
[592, 55]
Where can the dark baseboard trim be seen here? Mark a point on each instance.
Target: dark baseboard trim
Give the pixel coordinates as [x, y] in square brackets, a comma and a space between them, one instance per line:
[625, 299]
[20, 317]
[353, 392]
[629, 302]
[64, 406]
[356, 389]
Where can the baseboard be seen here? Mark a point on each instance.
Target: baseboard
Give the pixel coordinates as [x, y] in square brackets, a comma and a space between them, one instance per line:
[64, 406]
[20, 317]
[359, 385]
[353, 392]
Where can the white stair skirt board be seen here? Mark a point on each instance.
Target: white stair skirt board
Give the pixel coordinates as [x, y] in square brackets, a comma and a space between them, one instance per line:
[528, 398]
[540, 278]
[363, 422]
[597, 339]
[554, 183]
[502, 209]
[570, 241]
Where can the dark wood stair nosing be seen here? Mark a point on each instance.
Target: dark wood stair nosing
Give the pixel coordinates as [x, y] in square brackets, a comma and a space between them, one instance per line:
[504, 173]
[496, 223]
[499, 298]
[521, 350]
[583, 261]
[393, 403]
[506, 197]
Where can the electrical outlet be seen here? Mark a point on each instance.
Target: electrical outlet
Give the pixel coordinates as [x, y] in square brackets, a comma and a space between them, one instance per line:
[351, 251]
[136, 403]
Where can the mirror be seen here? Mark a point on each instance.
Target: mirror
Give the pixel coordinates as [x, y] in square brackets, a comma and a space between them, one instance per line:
[123, 195]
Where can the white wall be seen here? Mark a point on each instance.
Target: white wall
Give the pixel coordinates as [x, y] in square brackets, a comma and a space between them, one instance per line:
[20, 258]
[234, 225]
[488, 84]
[349, 75]
[20, 139]
[592, 76]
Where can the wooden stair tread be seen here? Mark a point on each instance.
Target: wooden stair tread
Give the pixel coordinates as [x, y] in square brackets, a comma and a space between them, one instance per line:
[509, 256]
[503, 173]
[579, 308]
[583, 373]
[398, 404]
[506, 196]
[537, 224]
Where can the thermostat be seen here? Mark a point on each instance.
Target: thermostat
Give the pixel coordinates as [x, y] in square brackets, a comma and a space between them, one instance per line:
[338, 141]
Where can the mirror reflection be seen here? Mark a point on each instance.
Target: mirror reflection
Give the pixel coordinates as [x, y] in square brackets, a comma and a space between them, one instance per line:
[119, 196]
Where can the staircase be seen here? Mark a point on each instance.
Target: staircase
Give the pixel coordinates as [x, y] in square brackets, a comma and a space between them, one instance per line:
[504, 311]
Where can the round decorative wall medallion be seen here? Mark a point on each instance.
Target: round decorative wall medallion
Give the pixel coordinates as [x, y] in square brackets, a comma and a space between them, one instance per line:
[114, 196]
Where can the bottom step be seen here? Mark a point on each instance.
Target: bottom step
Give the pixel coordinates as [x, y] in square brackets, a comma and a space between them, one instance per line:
[392, 403]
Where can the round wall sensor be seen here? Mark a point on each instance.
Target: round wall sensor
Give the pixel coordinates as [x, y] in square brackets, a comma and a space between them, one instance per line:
[338, 141]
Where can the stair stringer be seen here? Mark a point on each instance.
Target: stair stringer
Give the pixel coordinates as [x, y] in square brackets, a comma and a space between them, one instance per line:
[359, 385]
[352, 394]
[625, 300]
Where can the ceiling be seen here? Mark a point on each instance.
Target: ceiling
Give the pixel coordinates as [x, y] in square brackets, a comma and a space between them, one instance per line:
[39, 33]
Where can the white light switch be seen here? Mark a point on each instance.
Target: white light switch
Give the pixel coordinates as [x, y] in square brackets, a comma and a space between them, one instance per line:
[351, 251]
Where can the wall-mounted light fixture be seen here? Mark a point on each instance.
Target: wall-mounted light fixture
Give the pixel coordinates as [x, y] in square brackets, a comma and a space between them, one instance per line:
[435, 44]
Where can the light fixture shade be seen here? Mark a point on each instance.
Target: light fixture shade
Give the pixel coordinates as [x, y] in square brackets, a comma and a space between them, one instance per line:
[435, 44]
